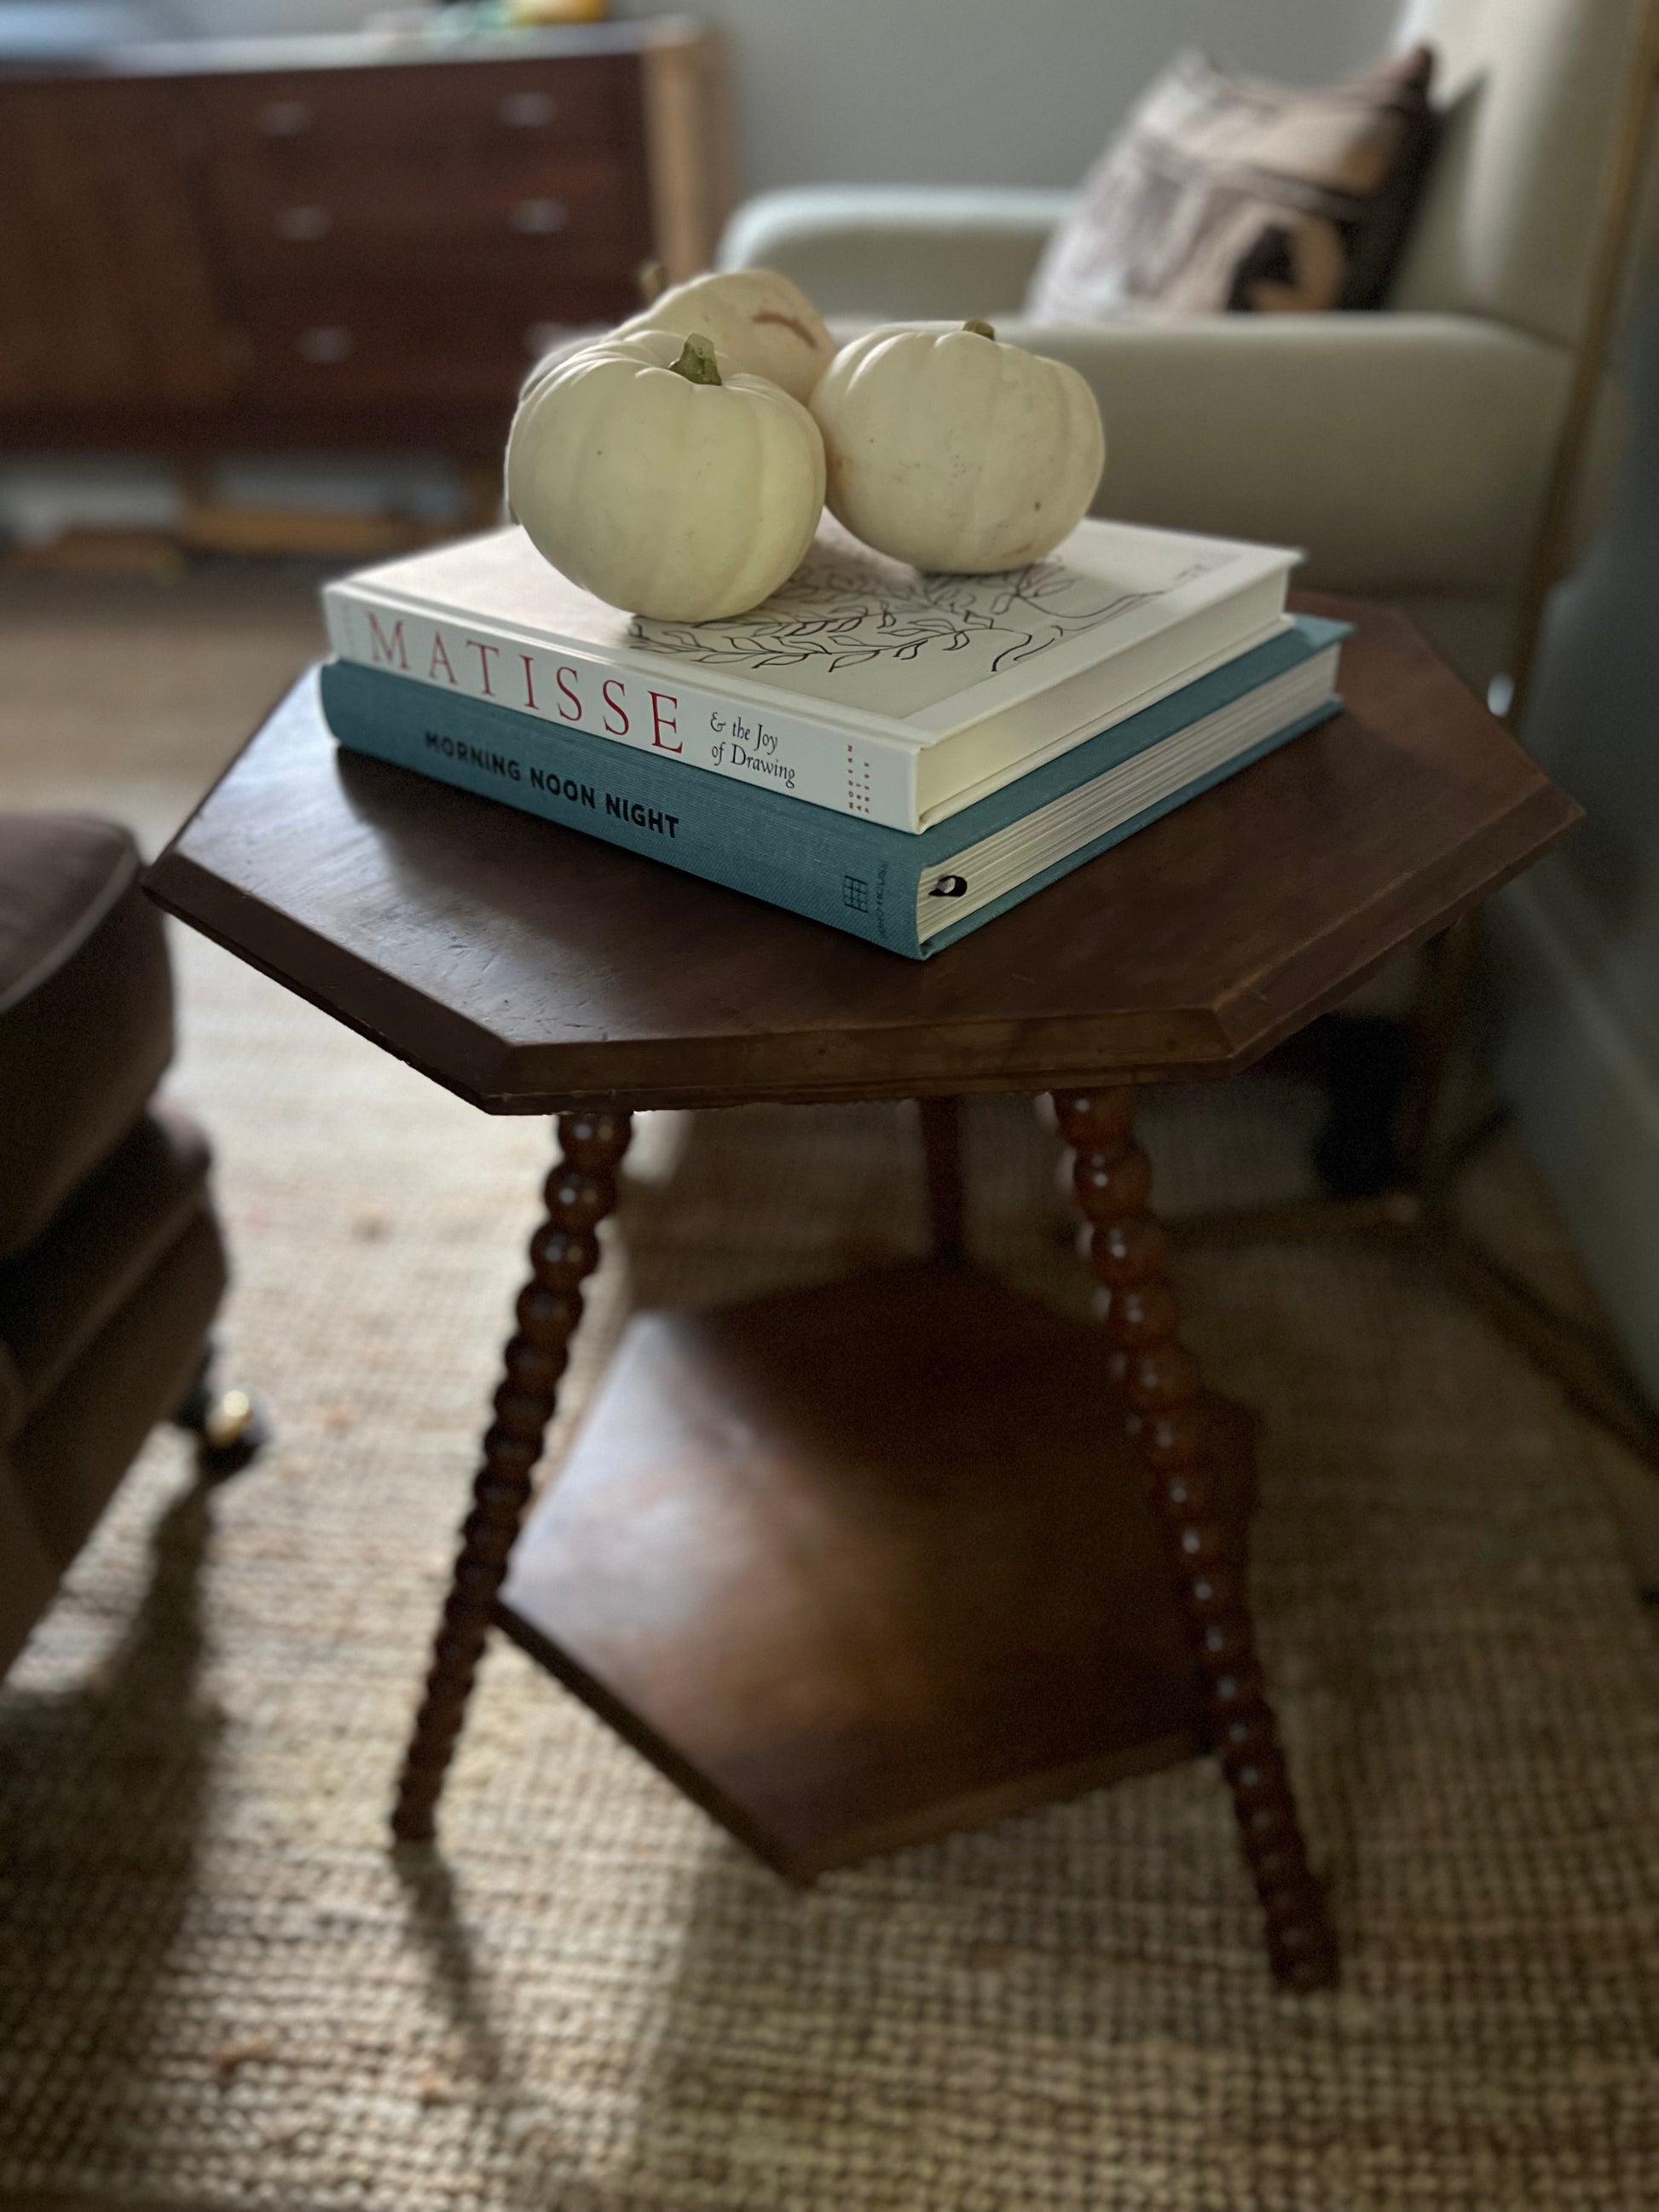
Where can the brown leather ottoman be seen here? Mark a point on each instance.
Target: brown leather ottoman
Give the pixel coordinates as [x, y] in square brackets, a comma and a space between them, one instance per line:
[111, 1264]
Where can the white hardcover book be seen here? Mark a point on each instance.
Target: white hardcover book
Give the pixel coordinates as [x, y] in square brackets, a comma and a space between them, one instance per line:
[861, 684]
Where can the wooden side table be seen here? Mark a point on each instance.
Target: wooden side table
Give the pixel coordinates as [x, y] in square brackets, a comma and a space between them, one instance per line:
[862, 1564]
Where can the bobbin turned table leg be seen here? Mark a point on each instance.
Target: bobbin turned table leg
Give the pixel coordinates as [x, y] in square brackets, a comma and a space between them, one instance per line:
[1129, 1256]
[579, 1194]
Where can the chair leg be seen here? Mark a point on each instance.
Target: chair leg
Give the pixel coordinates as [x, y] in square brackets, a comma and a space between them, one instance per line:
[941, 1140]
[1128, 1254]
[231, 1429]
[1368, 1059]
[580, 1192]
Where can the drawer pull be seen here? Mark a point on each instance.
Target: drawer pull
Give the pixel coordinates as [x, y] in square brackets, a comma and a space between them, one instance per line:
[327, 342]
[285, 118]
[528, 111]
[539, 218]
[302, 224]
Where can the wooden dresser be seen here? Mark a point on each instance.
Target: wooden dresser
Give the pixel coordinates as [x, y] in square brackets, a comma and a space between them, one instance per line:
[338, 242]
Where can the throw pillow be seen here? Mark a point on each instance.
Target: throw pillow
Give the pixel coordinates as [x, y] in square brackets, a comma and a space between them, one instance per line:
[1223, 192]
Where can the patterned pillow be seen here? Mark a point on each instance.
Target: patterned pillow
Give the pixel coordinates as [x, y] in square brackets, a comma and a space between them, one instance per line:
[1224, 192]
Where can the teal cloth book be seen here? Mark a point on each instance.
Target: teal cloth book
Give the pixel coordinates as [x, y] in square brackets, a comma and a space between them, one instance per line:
[913, 893]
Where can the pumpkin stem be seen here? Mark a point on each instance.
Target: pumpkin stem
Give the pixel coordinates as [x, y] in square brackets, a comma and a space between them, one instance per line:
[696, 363]
[980, 330]
[652, 280]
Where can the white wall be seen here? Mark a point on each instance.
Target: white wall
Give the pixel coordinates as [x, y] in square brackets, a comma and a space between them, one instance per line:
[991, 91]
[945, 91]
[1579, 1054]
[256, 19]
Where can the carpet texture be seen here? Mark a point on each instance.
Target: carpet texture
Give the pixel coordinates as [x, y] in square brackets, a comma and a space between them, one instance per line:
[220, 1988]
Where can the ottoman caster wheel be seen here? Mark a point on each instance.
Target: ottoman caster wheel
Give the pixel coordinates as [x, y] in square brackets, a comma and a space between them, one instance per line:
[230, 1430]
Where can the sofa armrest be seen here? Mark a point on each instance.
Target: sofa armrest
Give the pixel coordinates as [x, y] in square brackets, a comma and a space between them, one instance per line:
[1404, 453]
[86, 1009]
[921, 252]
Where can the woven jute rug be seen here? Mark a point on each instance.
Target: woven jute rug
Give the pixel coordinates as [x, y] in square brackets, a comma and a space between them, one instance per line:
[222, 1988]
[219, 1987]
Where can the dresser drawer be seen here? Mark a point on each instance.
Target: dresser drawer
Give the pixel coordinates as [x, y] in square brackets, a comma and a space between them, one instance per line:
[342, 239]
[295, 125]
[513, 221]
[445, 344]
[108, 292]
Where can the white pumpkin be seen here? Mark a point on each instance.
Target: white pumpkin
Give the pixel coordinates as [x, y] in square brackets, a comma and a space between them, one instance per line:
[662, 480]
[766, 325]
[573, 341]
[949, 449]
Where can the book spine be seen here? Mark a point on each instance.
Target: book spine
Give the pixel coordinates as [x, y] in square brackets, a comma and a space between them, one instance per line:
[855, 876]
[869, 778]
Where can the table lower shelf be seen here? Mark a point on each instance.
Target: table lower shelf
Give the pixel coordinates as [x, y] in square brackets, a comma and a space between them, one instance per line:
[860, 1565]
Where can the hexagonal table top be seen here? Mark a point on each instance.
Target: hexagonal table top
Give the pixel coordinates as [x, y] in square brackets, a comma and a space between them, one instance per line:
[532, 970]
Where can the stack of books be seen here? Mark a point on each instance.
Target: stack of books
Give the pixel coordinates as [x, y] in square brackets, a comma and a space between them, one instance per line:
[898, 755]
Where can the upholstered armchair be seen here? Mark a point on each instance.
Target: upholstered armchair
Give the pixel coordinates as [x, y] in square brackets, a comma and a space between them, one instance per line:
[1405, 450]
[110, 1263]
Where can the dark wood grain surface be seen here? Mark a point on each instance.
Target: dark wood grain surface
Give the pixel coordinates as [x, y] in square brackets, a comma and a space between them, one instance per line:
[862, 1564]
[339, 241]
[534, 970]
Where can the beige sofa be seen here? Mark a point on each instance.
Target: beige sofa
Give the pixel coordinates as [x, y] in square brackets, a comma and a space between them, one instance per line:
[1406, 450]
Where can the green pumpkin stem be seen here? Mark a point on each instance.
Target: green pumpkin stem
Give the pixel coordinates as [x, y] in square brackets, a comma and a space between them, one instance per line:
[696, 363]
[980, 330]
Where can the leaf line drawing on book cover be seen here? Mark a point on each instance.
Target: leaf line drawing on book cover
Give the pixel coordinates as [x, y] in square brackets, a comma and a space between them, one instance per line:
[838, 612]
